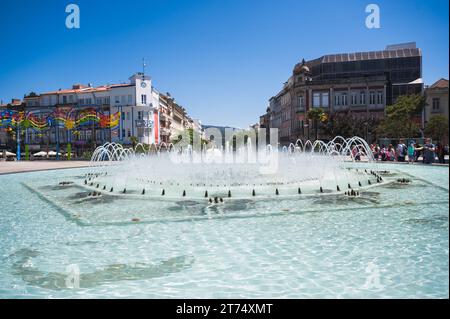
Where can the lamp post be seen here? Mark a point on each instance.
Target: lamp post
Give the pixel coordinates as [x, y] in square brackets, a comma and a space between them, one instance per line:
[27, 153]
[307, 129]
[57, 139]
[18, 141]
[120, 109]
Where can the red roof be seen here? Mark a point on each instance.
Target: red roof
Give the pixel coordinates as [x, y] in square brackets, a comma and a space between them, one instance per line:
[440, 84]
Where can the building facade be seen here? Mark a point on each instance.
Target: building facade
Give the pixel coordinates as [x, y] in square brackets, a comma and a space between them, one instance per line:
[137, 102]
[146, 116]
[362, 83]
[174, 119]
[437, 99]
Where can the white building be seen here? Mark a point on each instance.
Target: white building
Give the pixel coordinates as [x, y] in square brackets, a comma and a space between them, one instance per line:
[137, 101]
[138, 104]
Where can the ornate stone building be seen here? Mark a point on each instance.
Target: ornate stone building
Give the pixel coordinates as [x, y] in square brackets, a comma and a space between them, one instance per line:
[362, 83]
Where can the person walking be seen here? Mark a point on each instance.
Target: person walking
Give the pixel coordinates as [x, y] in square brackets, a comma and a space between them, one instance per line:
[429, 152]
[384, 153]
[390, 153]
[401, 151]
[411, 152]
[440, 152]
[376, 151]
[356, 154]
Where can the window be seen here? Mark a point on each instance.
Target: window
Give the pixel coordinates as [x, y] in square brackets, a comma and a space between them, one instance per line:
[122, 99]
[123, 116]
[301, 102]
[316, 99]
[379, 97]
[123, 132]
[325, 99]
[144, 99]
[354, 99]
[98, 101]
[117, 99]
[88, 101]
[81, 101]
[372, 98]
[344, 98]
[130, 99]
[337, 99]
[64, 99]
[140, 115]
[70, 98]
[129, 133]
[436, 103]
[362, 97]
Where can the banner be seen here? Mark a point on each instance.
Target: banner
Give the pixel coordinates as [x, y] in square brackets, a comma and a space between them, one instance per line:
[69, 118]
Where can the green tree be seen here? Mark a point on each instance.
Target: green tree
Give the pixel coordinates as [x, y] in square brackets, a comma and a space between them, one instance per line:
[346, 124]
[399, 121]
[186, 137]
[316, 115]
[134, 141]
[437, 127]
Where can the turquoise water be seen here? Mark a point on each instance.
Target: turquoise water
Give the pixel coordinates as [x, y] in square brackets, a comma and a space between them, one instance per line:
[391, 242]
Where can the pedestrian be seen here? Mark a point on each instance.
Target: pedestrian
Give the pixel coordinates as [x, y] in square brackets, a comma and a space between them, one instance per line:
[376, 151]
[390, 153]
[383, 153]
[429, 152]
[411, 152]
[401, 151]
[440, 152]
[356, 154]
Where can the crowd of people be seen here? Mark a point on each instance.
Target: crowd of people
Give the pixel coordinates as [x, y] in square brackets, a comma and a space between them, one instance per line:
[430, 153]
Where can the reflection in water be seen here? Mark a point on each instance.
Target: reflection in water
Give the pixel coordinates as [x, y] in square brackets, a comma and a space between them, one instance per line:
[58, 187]
[117, 272]
[433, 221]
[239, 205]
[341, 200]
[191, 207]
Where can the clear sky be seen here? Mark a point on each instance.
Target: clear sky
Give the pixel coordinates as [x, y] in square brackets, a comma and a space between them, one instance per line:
[221, 59]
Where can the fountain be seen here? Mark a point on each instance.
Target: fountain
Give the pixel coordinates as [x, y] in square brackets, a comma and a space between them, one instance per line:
[174, 172]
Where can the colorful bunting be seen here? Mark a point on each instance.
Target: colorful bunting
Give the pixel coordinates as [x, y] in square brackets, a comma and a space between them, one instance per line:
[69, 118]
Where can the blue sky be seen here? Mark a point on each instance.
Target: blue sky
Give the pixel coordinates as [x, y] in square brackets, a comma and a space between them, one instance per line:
[221, 59]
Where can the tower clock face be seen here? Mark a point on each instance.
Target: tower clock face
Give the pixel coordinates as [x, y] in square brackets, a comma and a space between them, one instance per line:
[143, 85]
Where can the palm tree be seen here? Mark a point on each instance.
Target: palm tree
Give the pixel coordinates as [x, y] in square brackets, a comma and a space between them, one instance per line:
[315, 115]
[134, 141]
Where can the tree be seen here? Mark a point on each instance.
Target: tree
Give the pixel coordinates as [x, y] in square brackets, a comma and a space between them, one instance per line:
[186, 137]
[316, 115]
[347, 125]
[437, 127]
[399, 121]
[134, 141]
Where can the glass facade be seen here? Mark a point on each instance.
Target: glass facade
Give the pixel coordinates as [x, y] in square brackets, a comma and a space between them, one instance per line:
[397, 68]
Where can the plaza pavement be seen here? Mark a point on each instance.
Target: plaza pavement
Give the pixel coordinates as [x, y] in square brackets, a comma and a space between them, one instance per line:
[31, 166]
